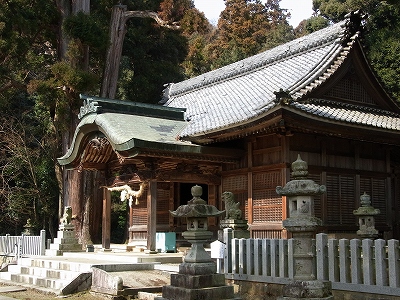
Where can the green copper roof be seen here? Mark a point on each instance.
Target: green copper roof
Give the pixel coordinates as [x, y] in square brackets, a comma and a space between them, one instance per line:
[132, 128]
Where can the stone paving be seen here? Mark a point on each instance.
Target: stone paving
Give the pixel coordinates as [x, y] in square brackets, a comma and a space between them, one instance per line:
[10, 289]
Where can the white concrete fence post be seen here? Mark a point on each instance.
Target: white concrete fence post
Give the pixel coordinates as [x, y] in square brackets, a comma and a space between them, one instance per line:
[393, 261]
[228, 250]
[42, 242]
[381, 262]
[322, 256]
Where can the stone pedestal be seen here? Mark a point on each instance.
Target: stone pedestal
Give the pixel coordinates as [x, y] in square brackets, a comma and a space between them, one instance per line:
[64, 242]
[197, 277]
[303, 224]
[239, 229]
[233, 218]
[197, 281]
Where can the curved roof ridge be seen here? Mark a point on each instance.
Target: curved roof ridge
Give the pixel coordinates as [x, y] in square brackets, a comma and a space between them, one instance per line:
[308, 84]
[333, 33]
[319, 71]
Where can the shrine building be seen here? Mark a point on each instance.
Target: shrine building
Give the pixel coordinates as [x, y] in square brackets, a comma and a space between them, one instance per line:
[239, 128]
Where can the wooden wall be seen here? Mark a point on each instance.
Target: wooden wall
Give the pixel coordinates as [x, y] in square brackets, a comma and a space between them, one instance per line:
[348, 169]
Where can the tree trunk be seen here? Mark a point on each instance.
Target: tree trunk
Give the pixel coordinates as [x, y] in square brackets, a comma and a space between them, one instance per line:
[119, 16]
[114, 52]
[73, 182]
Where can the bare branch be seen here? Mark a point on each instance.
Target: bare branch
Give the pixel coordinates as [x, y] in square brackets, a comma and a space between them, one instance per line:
[150, 14]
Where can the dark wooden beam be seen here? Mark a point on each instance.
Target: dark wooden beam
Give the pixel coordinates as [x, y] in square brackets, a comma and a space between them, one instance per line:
[106, 225]
[152, 216]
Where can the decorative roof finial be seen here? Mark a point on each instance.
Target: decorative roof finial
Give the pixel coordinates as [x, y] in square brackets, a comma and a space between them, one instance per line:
[299, 168]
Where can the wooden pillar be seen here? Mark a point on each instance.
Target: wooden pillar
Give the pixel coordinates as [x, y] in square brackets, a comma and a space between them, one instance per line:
[171, 205]
[324, 177]
[250, 183]
[152, 216]
[389, 196]
[212, 200]
[106, 224]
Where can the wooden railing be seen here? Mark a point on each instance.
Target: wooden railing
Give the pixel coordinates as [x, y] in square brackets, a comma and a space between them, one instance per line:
[370, 266]
[18, 246]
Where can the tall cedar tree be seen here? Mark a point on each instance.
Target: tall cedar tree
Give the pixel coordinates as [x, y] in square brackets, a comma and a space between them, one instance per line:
[49, 53]
[198, 31]
[152, 55]
[247, 27]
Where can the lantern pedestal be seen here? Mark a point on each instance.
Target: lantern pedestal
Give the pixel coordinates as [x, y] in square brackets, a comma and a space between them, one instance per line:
[197, 277]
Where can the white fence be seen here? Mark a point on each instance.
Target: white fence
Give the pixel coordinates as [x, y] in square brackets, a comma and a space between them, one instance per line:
[351, 265]
[19, 246]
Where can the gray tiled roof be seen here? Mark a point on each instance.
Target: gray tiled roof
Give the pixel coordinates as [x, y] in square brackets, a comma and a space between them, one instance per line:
[239, 93]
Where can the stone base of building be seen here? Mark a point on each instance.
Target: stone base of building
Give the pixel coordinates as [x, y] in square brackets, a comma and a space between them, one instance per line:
[307, 290]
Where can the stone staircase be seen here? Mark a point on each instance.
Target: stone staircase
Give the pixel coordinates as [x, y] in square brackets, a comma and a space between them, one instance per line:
[73, 271]
[60, 277]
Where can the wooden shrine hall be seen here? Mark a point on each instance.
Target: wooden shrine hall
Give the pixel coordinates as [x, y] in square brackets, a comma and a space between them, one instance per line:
[239, 128]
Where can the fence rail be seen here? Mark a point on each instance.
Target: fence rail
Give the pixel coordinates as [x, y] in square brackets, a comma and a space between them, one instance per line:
[19, 246]
[352, 265]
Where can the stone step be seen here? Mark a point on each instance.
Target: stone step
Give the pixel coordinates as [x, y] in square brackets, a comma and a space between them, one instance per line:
[6, 276]
[54, 264]
[43, 272]
[50, 283]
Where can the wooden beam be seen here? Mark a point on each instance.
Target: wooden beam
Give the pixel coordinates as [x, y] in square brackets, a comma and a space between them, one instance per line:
[250, 182]
[152, 216]
[106, 225]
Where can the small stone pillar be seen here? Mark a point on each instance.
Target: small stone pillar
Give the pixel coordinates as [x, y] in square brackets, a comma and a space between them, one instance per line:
[197, 277]
[233, 218]
[303, 225]
[366, 218]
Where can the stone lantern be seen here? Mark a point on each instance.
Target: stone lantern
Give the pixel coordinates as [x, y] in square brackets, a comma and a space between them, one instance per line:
[197, 277]
[366, 218]
[303, 225]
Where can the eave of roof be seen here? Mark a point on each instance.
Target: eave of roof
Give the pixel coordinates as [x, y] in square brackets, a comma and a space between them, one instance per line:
[350, 114]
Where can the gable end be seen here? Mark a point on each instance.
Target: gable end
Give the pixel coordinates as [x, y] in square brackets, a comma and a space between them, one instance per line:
[350, 89]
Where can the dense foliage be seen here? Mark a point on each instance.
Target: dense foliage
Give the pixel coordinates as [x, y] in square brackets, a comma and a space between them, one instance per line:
[382, 38]
[28, 186]
[247, 27]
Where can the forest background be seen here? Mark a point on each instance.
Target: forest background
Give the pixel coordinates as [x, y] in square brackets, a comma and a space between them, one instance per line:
[51, 51]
